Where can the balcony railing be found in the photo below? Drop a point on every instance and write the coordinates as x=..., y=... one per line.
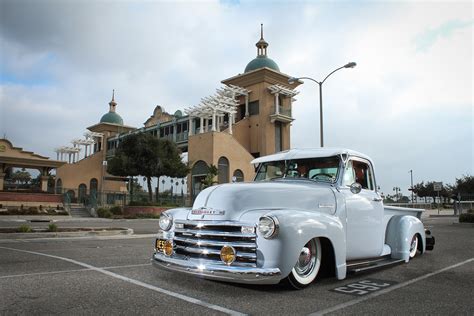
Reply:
x=283, y=115
x=284, y=111
x=181, y=137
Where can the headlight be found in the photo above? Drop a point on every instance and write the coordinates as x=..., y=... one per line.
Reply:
x=268, y=226
x=166, y=221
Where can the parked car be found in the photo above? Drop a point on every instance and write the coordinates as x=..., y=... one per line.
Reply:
x=306, y=211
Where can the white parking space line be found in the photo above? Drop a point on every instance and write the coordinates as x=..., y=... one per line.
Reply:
x=40, y=239
x=127, y=266
x=136, y=282
x=387, y=290
x=40, y=273
x=74, y=270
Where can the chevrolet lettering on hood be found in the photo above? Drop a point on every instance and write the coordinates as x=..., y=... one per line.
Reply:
x=207, y=211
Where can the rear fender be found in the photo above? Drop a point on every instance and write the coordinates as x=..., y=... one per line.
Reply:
x=400, y=231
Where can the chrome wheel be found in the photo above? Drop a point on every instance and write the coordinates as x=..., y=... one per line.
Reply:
x=307, y=266
x=413, y=246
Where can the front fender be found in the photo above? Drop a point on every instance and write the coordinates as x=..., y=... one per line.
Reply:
x=400, y=231
x=297, y=227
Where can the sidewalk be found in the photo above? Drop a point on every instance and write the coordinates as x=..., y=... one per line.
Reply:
x=52, y=218
x=441, y=213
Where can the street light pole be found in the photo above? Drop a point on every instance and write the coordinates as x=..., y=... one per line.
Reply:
x=321, y=130
x=411, y=177
x=320, y=83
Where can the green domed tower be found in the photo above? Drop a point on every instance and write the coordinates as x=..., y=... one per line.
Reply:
x=112, y=117
x=261, y=60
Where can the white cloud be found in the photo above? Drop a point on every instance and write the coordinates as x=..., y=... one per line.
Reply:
x=70, y=55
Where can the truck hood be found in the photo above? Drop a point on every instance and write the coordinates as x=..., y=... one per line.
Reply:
x=231, y=201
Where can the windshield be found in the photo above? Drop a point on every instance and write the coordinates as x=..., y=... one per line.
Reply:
x=317, y=169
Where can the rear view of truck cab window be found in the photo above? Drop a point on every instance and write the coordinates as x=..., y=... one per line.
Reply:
x=360, y=172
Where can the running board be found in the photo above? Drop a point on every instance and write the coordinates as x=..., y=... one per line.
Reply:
x=365, y=266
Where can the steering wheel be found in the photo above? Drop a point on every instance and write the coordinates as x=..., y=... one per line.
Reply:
x=322, y=174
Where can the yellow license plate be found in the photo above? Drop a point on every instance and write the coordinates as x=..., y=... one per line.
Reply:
x=159, y=245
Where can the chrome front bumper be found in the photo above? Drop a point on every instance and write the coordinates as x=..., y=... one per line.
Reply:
x=222, y=272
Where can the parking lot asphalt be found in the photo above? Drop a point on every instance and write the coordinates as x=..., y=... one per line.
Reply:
x=114, y=276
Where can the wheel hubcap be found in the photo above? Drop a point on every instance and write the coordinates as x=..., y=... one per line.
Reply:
x=306, y=260
x=413, y=244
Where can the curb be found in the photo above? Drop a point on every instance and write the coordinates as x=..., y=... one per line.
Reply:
x=125, y=231
x=464, y=224
x=27, y=218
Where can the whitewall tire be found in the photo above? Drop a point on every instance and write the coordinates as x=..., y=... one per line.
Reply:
x=413, y=246
x=307, y=265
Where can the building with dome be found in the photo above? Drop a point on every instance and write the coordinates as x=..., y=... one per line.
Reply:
x=248, y=117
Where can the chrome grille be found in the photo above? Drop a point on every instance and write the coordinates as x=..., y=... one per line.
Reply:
x=204, y=240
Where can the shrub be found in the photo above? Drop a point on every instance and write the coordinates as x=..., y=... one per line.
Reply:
x=147, y=215
x=52, y=227
x=466, y=218
x=116, y=210
x=32, y=210
x=139, y=203
x=24, y=229
x=104, y=212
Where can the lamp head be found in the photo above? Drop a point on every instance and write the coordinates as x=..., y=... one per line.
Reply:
x=292, y=80
x=350, y=65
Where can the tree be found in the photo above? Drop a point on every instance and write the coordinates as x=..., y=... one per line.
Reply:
x=211, y=174
x=144, y=155
x=420, y=190
x=464, y=186
x=21, y=176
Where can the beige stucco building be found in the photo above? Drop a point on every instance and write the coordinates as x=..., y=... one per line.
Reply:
x=16, y=157
x=250, y=116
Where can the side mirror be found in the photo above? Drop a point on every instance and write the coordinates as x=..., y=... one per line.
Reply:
x=356, y=188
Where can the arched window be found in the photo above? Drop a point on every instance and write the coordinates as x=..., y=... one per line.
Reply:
x=238, y=176
x=59, y=186
x=93, y=185
x=81, y=193
x=223, y=170
x=198, y=174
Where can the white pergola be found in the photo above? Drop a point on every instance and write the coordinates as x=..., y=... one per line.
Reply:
x=276, y=90
x=84, y=142
x=61, y=151
x=216, y=107
x=73, y=152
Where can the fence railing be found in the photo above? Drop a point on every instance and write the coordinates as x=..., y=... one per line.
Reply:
x=427, y=206
x=94, y=199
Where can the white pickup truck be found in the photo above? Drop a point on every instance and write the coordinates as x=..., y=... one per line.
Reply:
x=307, y=212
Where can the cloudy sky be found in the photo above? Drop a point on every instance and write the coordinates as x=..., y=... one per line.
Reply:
x=408, y=103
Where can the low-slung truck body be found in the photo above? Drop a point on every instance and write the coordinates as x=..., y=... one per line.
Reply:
x=307, y=211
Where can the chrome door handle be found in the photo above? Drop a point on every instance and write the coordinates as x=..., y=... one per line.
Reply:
x=377, y=199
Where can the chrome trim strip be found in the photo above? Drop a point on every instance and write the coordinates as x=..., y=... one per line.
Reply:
x=205, y=251
x=213, y=223
x=197, y=232
x=221, y=272
x=207, y=242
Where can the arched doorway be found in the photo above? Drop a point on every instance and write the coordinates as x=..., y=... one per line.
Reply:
x=59, y=186
x=71, y=196
x=93, y=187
x=82, y=193
x=223, y=170
x=198, y=173
x=238, y=176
